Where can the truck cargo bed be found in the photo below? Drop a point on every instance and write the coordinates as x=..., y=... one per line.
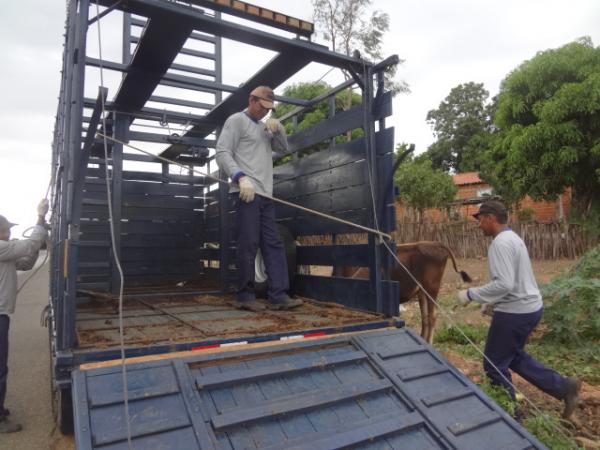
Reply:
x=173, y=319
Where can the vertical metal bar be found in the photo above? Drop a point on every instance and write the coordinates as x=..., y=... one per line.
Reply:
x=223, y=189
x=74, y=150
x=371, y=156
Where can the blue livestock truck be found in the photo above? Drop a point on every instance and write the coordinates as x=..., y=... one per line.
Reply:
x=146, y=238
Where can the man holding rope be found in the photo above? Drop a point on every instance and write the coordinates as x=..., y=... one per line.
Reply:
x=14, y=255
x=513, y=297
x=244, y=152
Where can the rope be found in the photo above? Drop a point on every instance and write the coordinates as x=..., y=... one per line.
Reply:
x=439, y=306
x=113, y=239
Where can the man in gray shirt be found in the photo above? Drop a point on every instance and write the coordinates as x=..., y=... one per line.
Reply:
x=14, y=255
x=244, y=152
x=513, y=296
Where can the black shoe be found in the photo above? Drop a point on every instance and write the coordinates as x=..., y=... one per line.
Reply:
x=6, y=426
x=286, y=303
x=571, y=397
x=250, y=305
x=4, y=412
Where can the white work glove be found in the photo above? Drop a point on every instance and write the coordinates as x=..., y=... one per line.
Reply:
x=246, y=189
x=487, y=309
x=462, y=298
x=274, y=125
x=42, y=208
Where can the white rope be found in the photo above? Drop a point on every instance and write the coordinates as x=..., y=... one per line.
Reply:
x=113, y=239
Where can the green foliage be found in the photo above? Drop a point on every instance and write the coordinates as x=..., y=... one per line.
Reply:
x=548, y=114
x=544, y=428
x=572, y=314
x=582, y=361
x=526, y=214
x=498, y=394
x=316, y=114
x=422, y=186
x=462, y=126
x=452, y=334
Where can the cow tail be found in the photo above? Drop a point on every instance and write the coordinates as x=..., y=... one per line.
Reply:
x=464, y=275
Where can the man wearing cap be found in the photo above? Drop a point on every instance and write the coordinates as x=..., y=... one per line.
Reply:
x=514, y=297
x=14, y=255
x=245, y=153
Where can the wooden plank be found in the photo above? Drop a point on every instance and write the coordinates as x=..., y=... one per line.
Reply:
x=339, y=155
x=271, y=371
x=157, y=188
x=330, y=202
x=349, y=292
x=333, y=255
x=298, y=403
x=267, y=345
x=134, y=213
x=130, y=175
x=354, y=174
x=307, y=225
x=143, y=227
x=339, y=124
x=143, y=201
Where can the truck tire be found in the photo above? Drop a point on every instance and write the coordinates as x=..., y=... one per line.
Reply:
x=64, y=413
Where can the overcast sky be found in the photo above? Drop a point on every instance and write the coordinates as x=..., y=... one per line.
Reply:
x=444, y=43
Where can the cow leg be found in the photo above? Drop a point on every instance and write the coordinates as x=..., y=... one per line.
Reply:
x=432, y=309
x=424, y=307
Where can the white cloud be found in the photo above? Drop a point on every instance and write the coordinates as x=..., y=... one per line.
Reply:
x=444, y=43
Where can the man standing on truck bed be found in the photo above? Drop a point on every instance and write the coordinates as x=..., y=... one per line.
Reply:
x=14, y=255
x=245, y=153
x=514, y=297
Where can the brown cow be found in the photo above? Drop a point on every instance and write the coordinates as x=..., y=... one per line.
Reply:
x=426, y=261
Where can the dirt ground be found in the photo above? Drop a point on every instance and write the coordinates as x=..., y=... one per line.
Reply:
x=587, y=418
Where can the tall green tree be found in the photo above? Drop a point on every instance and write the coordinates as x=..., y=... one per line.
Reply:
x=548, y=115
x=462, y=127
x=352, y=26
x=422, y=186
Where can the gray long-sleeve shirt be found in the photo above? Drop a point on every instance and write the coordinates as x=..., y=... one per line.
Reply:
x=18, y=254
x=245, y=145
x=512, y=287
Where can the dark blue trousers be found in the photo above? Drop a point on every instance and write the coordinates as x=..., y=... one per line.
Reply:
x=4, y=324
x=506, y=339
x=256, y=227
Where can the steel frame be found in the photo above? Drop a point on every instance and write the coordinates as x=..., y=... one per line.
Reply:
x=78, y=119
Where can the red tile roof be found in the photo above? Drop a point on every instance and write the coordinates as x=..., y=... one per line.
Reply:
x=461, y=179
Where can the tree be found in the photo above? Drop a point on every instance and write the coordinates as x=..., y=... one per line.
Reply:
x=462, y=126
x=349, y=27
x=548, y=115
x=422, y=186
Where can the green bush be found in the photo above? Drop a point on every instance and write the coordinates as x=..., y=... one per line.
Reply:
x=452, y=334
x=573, y=302
x=499, y=394
x=544, y=428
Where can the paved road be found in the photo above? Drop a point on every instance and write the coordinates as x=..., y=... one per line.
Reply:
x=28, y=395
